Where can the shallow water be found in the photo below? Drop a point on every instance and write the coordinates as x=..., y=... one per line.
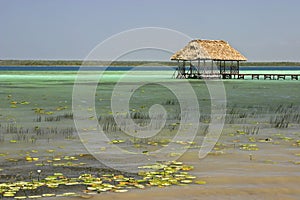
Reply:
x=273, y=173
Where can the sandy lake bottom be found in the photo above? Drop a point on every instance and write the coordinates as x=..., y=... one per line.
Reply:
x=256, y=157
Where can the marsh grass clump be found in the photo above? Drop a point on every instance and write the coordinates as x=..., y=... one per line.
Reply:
x=205, y=118
x=139, y=115
x=13, y=132
x=38, y=118
x=251, y=130
x=248, y=130
x=23, y=137
x=68, y=115
x=1, y=137
x=236, y=115
x=280, y=121
x=285, y=115
x=171, y=102
x=108, y=123
x=11, y=128
x=243, y=114
x=53, y=118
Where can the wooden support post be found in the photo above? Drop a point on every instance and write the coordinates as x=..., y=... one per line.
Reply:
x=267, y=76
x=198, y=67
x=255, y=76
x=177, y=69
x=191, y=68
x=280, y=76
x=294, y=77
x=241, y=76
x=183, y=69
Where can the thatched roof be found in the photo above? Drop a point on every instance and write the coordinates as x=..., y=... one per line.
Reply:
x=208, y=49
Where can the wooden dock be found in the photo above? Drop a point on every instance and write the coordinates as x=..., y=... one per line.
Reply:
x=263, y=76
x=190, y=75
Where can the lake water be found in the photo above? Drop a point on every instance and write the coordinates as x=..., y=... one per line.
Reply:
x=252, y=105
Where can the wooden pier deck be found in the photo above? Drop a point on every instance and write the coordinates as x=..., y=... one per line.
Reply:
x=263, y=76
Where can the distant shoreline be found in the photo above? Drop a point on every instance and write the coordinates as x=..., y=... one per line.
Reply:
x=121, y=63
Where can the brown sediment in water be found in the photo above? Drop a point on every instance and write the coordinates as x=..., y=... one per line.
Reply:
x=207, y=193
x=232, y=176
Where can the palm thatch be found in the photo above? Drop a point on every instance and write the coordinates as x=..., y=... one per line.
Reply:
x=208, y=50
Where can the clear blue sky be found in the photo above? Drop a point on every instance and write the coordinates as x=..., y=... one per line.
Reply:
x=263, y=30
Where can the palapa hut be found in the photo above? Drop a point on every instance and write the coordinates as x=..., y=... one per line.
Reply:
x=208, y=59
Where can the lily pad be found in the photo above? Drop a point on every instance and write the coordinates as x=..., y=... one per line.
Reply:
x=120, y=191
x=48, y=195
x=200, y=182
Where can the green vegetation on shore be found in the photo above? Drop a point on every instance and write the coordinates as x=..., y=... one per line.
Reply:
x=270, y=63
x=81, y=62
x=121, y=63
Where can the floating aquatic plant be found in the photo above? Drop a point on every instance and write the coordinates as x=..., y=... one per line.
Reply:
x=249, y=147
x=31, y=159
x=269, y=162
x=296, y=162
x=160, y=174
x=297, y=143
x=116, y=141
x=216, y=153
x=286, y=139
